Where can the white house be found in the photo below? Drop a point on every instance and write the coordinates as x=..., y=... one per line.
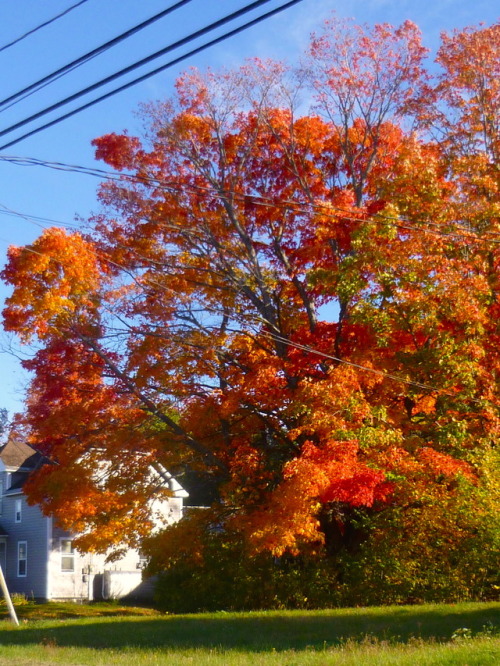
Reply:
x=38, y=558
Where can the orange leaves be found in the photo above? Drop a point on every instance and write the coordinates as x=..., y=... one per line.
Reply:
x=197, y=131
x=425, y=404
x=438, y=463
x=470, y=84
x=330, y=473
x=366, y=61
x=101, y=495
x=182, y=542
x=249, y=481
x=297, y=305
x=334, y=404
x=340, y=476
x=56, y=280
x=364, y=77
x=288, y=521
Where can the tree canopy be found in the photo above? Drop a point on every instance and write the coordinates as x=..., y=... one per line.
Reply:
x=292, y=292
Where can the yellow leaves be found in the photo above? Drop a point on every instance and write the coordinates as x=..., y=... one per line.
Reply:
x=425, y=404
x=54, y=279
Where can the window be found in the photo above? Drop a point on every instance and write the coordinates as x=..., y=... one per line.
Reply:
x=3, y=550
x=1, y=496
x=18, y=507
x=143, y=561
x=67, y=555
x=22, y=558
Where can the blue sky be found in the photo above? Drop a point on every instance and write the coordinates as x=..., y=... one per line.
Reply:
x=60, y=196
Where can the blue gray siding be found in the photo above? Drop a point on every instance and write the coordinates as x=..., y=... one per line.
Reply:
x=33, y=529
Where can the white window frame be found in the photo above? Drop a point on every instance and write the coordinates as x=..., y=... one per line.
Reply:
x=65, y=555
x=18, y=510
x=143, y=561
x=22, y=559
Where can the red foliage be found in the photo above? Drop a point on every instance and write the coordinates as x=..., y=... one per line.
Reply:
x=304, y=309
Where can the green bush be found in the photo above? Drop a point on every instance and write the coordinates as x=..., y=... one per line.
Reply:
x=445, y=547
x=227, y=579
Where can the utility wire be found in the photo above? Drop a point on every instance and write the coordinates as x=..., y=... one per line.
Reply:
x=42, y=25
x=38, y=221
x=382, y=373
x=130, y=68
x=171, y=47
x=279, y=338
x=269, y=334
x=41, y=83
x=251, y=318
x=326, y=209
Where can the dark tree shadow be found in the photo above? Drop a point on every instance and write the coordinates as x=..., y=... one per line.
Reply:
x=256, y=632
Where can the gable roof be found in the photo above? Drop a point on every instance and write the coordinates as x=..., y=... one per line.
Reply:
x=16, y=454
x=21, y=458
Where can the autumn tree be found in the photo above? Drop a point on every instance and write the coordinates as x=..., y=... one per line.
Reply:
x=4, y=422
x=301, y=308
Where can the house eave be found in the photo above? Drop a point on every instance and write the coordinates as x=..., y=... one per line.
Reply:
x=13, y=491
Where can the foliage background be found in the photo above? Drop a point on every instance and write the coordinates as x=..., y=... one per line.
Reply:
x=186, y=329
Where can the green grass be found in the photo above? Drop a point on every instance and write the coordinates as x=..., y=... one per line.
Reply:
x=102, y=635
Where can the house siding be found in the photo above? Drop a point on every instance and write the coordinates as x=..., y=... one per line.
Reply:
x=33, y=530
x=65, y=584
x=85, y=581
x=91, y=577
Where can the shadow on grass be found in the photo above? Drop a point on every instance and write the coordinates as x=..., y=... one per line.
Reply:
x=259, y=631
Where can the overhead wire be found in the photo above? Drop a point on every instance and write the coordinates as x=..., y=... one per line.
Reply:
x=382, y=373
x=305, y=348
x=148, y=75
x=42, y=25
x=310, y=350
x=136, y=65
x=326, y=209
x=259, y=201
x=58, y=73
x=34, y=219
x=262, y=331
x=281, y=339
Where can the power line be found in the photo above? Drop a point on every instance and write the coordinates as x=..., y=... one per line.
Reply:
x=281, y=339
x=382, y=373
x=269, y=334
x=176, y=61
x=42, y=25
x=34, y=219
x=137, y=64
x=44, y=81
x=259, y=200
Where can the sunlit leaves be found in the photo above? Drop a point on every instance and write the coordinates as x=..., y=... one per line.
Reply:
x=303, y=306
x=57, y=278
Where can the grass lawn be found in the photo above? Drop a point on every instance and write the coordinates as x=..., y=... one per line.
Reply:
x=107, y=634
